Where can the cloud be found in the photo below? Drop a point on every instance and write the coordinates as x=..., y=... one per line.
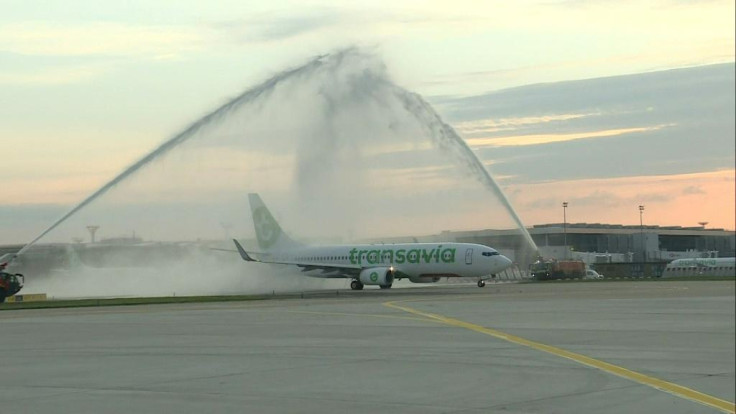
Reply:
x=597, y=198
x=655, y=197
x=668, y=122
x=53, y=76
x=620, y=96
x=346, y=23
x=523, y=140
x=542, y=203
x=603, y=199
x=505, y=124
x=271, y=28
x=98, y=38
x=693, y=189
x=44, y=53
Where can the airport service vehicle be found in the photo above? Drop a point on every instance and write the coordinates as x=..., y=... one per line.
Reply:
x=592, y=274
x=371, y=264
x=546, y=269
x=10, y=284
x=722, y=266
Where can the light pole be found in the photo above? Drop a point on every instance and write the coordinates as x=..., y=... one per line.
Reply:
x=564, y=224
x=641, y=230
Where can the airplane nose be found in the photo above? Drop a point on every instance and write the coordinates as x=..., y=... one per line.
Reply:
x=505, y=262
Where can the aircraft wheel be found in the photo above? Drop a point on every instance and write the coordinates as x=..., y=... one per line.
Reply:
x=481, y=283
x=356, y=285
x=385, y=286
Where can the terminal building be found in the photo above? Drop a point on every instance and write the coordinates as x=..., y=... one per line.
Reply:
x=603, y=243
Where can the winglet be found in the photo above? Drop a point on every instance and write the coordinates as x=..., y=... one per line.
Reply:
x=243, y=253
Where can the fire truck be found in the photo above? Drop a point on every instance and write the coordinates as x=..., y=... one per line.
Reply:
x=547, y=269
x=10, y=283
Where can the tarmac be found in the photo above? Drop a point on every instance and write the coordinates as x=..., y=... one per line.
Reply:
x=603, y=347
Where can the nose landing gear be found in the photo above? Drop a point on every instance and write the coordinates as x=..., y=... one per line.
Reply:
x=356, y=285
x=481, y=283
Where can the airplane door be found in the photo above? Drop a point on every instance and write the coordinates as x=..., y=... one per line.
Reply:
x=469, y=256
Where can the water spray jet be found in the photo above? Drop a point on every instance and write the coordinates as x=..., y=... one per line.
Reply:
x=340, y=148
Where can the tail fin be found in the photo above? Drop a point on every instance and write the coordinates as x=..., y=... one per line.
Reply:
x=268, y=232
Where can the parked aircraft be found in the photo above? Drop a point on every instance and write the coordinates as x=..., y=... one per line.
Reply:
x=722, y=266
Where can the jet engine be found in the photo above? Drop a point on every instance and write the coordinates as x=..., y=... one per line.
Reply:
x=383, y=276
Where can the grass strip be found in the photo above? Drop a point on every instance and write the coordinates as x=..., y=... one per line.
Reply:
x=81, y=303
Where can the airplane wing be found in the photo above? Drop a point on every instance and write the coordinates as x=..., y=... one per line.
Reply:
x=329, y=270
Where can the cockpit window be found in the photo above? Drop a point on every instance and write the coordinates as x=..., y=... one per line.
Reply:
x=490, y=253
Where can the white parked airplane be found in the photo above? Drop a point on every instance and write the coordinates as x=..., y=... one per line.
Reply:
x=371, y=264
x=722, y=266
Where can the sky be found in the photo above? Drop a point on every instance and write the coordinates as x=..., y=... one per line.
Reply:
x=605, y=105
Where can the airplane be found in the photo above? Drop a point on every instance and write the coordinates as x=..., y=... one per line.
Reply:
x=722, y=266
x=371, y=264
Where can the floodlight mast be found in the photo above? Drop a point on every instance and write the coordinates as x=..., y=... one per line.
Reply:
x=564, y=224
x=641, y=230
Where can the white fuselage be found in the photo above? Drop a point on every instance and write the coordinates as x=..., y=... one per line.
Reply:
x=407, y=260
x=724, y=266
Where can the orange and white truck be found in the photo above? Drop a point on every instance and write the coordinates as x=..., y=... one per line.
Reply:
x=548, y=269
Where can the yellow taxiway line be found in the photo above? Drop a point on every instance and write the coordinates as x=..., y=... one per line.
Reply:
x=674, y=389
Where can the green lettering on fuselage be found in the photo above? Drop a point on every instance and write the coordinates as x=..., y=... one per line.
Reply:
x=427, y=255
x=388, y=255
x=374, y=256
x=413, y=256
x=448, y=256
x=400, y=256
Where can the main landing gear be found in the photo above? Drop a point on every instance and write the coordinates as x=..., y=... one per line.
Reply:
x=357, y=285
